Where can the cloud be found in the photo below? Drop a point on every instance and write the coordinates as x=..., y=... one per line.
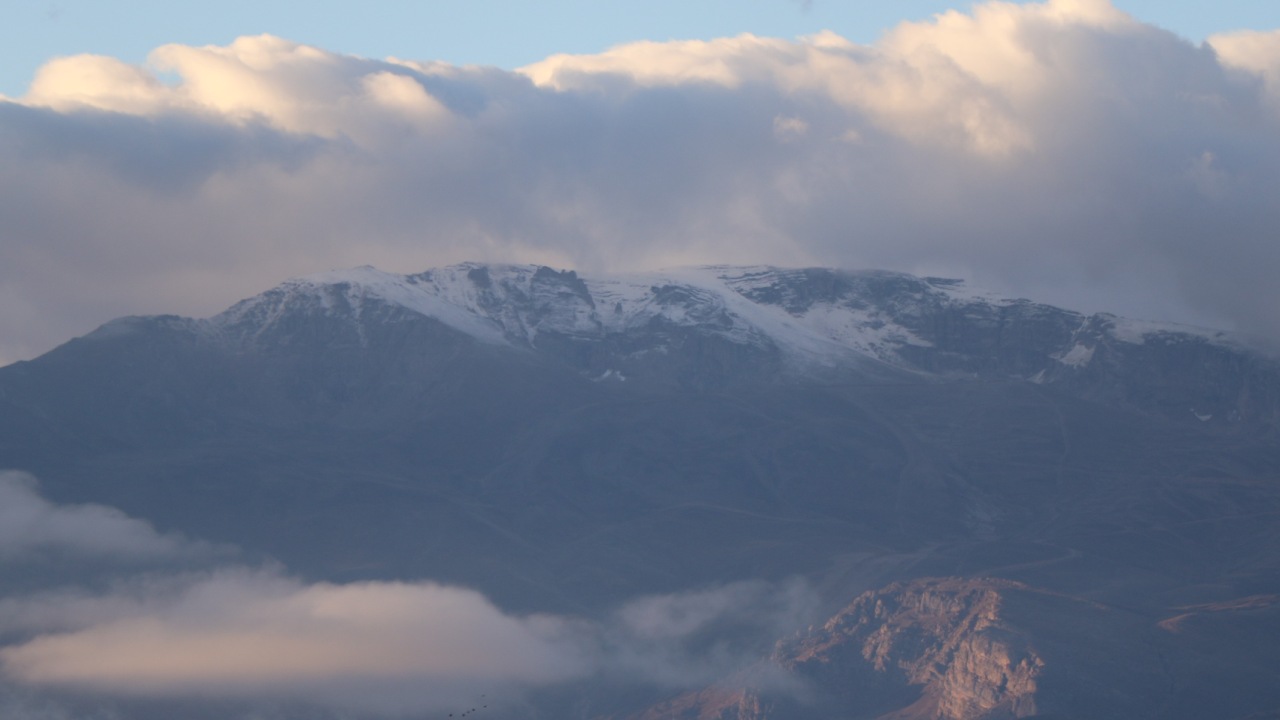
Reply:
x=1061, y=150
x=387, y=648
x=32, y=527
x=253, y=638
x=382, y=647
x=698, y=637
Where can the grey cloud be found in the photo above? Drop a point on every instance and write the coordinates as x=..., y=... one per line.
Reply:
x=1060, y=150
x=386, y=648
x=152, y=638
x=698, y=637
x=168, y=155
x=32, y=527
x=149, y=638
x=258, y=638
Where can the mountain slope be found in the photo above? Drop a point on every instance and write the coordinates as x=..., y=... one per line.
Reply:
x=563, y=443
x=989, y=649
x=796, y=321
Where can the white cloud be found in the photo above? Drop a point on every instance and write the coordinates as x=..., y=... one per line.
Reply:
x=386, y=648
x=379, y=647
x=250, y=638
x=1056, y=150
x=95, y=81
x=1256, y=55
x=286, y=85
x=31, y=527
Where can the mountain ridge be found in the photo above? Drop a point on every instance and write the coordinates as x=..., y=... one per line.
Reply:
x=484, y=290
x=561, y=455
x=814, y=321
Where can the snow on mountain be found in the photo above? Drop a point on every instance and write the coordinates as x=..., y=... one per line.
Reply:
x=813, y=316
x=1136, y=332
x=1078, y=356
x=349, y=292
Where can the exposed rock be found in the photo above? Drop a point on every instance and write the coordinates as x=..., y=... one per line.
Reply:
x=935, y=649
x=946, y=637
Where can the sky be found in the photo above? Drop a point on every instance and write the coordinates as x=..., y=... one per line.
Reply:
x=504, y=33
x=157, y=158
x=1117, y=157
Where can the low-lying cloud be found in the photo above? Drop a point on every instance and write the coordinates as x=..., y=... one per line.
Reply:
x=254, y=638
x=386, y=647
x=31, y=527
x=698, y=637
x=1061, y=150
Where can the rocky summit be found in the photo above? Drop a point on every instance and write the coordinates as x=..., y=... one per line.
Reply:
x=1002, y=508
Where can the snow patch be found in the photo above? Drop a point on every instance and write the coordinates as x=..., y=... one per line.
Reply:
x=961, y=291
x=1136, y=332
x=357, y=287
x=869, y=332
x=1077, y=357
x=518, y=304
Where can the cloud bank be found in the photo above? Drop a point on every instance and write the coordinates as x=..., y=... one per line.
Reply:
x=387, y=649
x=1061, y=150
x=376, y=647
x=239, y=641
x=32, y=528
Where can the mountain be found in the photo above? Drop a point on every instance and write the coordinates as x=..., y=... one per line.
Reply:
x=564, y=443
x=794, y=322
x=970, y=648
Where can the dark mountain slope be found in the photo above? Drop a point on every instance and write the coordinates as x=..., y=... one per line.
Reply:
x=565, y=443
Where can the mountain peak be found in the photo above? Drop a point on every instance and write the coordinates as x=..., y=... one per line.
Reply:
x=813, y=316
x=798, y=312
x=700, y=321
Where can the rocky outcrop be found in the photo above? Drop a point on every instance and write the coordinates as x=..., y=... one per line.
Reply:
x=1193, y=375
x=945, y=637
x=936, y=649
x=994, y=649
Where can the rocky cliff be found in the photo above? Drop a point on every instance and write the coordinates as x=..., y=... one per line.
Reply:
x=987, y=649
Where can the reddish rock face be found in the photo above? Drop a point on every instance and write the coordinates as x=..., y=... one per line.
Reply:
x=990, y=649
x=936, y=648
x=946, y=637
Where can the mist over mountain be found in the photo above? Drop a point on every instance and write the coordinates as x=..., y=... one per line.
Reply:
x=839, y=493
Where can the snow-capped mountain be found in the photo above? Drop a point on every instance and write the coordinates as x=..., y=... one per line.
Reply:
x=564, y=443
x=817, y=316
x=521, y=305
x=704, y=325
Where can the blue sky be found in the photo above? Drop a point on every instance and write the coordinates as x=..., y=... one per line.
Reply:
x=493, y=32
